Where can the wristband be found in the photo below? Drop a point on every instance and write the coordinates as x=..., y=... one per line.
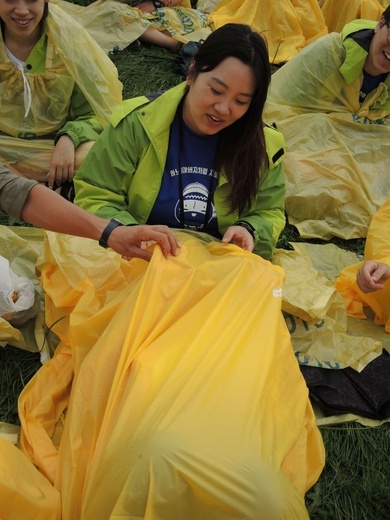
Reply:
x=107, y=232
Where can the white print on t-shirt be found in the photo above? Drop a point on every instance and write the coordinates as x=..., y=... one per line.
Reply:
x=194, y=169
x=195, y=197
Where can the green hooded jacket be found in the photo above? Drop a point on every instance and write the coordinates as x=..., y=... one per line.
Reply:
x=122, y=174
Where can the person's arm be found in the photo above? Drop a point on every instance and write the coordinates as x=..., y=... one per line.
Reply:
x=45, y=208
x=372, y=275
x=103, y=181
x=266, y=218
x=81, y=126
x=310, y=81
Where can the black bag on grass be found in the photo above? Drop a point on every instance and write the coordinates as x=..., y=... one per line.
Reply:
x=365, y=393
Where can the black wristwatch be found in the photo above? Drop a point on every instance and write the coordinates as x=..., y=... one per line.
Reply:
x=157, y=4
x=103, y=241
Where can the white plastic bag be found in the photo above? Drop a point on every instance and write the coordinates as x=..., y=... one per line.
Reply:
x=16, y=292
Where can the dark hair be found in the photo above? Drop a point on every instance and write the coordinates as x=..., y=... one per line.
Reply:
x=45, y=11
x=243, y=154
x=386, y=15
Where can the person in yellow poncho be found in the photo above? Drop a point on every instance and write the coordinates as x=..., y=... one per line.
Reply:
x=58, y=89
x=115, y=24
x=367, y=284
x=332, y=103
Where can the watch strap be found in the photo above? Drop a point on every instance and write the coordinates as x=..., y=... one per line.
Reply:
x=103, y=241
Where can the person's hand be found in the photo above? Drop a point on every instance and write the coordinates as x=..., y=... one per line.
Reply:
x=372, y=275
x=240, y=237
x=128, y=241
x=147, y=6
x=62, y=162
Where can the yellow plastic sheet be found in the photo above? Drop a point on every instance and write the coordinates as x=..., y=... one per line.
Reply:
x=186, y=399
x=337, y=14
x=287, y=25
x=315, y=313
x=338, y=151
x=25, y=493
x=377, y=248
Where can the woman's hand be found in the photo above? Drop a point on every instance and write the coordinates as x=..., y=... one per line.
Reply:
x=240, y=237
x=62, y=162
x=128, y=241
x=372, y=275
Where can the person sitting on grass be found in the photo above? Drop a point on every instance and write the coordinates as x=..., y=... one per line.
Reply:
x=199, y=156
x=58, y=89
x=167, y=23
x=332, y=103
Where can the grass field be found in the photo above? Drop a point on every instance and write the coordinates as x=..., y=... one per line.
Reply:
x=355, y=484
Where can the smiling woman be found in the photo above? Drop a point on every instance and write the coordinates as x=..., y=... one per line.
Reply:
x=378, y=59
x=199, y=156
x=219, y=97
x=332, y=103
x=57, y=91
x=22, y=24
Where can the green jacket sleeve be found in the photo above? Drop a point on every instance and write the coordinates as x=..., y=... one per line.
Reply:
x=266, y=216
x=82, y=125
x=103, y=180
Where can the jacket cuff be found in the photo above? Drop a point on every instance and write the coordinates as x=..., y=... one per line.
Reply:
x=75, y=138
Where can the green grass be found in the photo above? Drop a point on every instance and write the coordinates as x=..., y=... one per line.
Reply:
x=16, y=369
x=355, y=484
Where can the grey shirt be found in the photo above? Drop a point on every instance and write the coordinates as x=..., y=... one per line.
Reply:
x=14, y=191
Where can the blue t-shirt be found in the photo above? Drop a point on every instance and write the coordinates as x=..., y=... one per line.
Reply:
x=369, y=84
x=194, y=155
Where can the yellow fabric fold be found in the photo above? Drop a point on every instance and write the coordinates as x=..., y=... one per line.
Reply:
x=377, y=248
x=287, y=26
x=186, y=396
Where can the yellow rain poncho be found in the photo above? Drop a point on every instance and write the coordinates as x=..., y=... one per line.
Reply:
x=38, y=109
x=183, y=396
x=338, y=149
x=337, y=14
x=114, y=23
x=377, y=248
x=287, y=25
